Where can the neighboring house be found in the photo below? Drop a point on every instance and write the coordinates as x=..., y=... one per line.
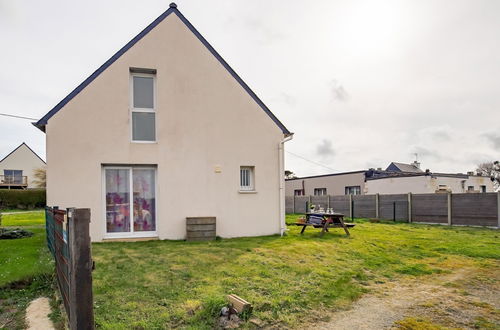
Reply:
x=347, y=183
x=165, y=130
x=17, y=168
x=398, y=178
x=427, y=182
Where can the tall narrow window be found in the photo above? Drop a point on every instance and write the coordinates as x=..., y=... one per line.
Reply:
x=247, y=178
x=143, y=107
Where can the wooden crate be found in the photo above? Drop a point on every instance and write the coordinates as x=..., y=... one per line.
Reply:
x=200, y=228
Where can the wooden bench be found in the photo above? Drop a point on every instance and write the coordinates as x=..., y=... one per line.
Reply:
x=325, y=221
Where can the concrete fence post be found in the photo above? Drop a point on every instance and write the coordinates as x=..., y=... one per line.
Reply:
x=409, y=208
x=377, y=205
x=293, y=203
x=328, y=201
x=498, y=209
x=350, y=206
x=449, y=208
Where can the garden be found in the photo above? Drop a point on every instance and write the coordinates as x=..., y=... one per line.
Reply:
x=292, y=281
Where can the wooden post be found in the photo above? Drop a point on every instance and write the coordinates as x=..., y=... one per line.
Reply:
x=81, y=299
x=449, y=208
x=377, y=203
x=409, y=208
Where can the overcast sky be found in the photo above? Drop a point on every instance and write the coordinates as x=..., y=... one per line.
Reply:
x=360, y=83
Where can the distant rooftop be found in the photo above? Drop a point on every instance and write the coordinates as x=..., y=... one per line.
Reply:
x=402, y=167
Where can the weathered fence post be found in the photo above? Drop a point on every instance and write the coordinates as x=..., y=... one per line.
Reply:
x=449, y=208
x=377, y=203
x=409, y=208
x=81, y=300
x=328, y=201
x=293, y=203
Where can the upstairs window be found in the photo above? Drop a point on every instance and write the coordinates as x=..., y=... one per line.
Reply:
x=319, y=191
x=143, y=107
x=247, y=178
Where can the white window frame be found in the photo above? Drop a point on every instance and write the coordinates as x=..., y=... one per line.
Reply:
x=318, y=190
x=300, y=192
x=351, y=188
x=131, y=233
x=143, y=110
x=251, y=187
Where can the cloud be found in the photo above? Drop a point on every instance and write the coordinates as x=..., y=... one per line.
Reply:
x=494, y=139
x=286, y=98
x=339, y=92
x=324, y=149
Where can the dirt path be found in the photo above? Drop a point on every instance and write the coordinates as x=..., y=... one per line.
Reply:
x=37, y=315
x=465, y=299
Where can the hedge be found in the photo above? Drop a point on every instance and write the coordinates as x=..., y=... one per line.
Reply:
x=22, y=199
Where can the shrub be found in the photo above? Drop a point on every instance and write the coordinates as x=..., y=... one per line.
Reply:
x=22, y=199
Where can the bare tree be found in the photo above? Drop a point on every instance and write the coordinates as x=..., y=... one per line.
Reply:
x=485, y=169
x=495, y=175
x=289, y=175
x=40, y=177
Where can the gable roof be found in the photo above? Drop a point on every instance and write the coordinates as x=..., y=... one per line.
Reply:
x=172, y=9
x=24, y=143
x=402, y=167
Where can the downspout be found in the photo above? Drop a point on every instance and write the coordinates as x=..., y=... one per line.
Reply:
x=281, y=156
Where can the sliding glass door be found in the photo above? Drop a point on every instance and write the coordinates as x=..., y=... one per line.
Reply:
x=130, y=198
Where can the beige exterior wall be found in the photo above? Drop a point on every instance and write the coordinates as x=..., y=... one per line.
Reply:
x=425, y=184
x=204, y=120
x=22, y=159
x=334, y=184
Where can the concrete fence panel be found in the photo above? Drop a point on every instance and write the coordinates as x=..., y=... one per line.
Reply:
x=289, y=204
x=300, y=204
x=390, y=204
x=364, y=206
x=320, y=201
x=474, y=209
x=340, y=204
x=430, y=208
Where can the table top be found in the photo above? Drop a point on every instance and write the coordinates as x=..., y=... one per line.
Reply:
x=324, y=213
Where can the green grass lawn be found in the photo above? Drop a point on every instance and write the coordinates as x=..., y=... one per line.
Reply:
x=26, y=269
x=288, y=280
x=32, y=218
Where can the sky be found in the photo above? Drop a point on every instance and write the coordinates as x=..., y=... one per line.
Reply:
x=361, y=83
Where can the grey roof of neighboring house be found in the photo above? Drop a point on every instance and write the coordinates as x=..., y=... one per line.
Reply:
x=172, y=10
x=405, y=167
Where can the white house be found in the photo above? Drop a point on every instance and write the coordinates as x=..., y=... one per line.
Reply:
x=165, y=130
x=18, y=167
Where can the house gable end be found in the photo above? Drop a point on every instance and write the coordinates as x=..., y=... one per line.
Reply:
x=173, y=9
x=13, y=152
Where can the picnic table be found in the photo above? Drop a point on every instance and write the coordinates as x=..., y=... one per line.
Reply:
x=325, y=220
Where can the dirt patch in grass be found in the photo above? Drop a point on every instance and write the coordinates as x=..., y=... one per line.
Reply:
x=468, y=297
